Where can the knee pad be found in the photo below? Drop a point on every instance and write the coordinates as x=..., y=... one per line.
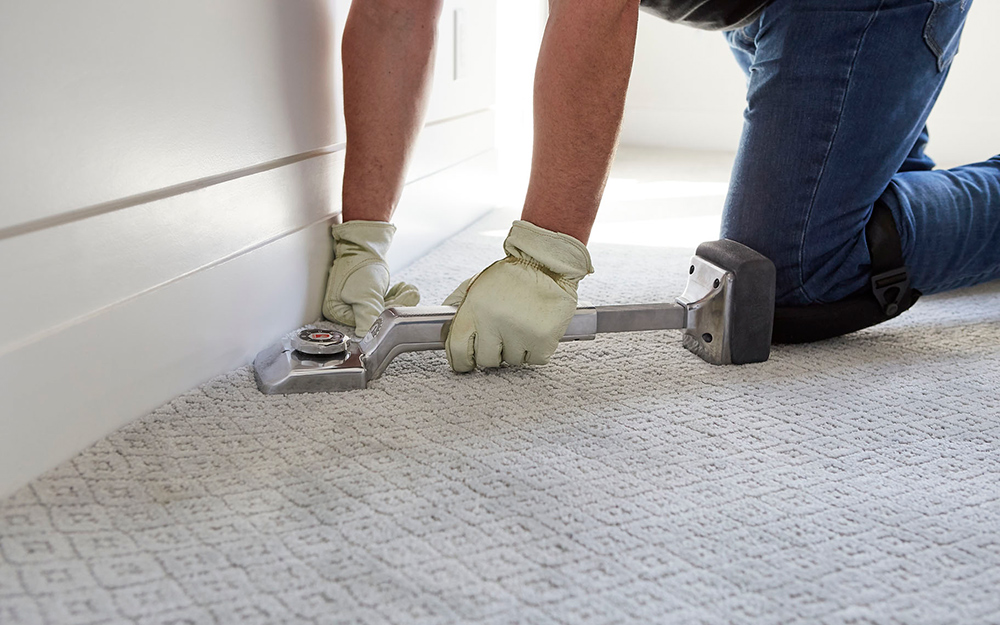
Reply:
x=888, y=294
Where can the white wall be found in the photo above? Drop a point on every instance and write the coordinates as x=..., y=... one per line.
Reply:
x=167, y=175
x=520, y=24
x=965, y=124
x=686, y=89
x=688, y=92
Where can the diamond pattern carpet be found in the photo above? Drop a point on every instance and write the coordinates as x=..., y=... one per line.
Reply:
x=853, y=481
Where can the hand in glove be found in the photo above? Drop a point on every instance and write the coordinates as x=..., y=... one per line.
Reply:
x=358, y=289
x=517, y=309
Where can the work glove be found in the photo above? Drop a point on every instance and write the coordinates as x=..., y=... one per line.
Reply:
x=358, y=288
x=517, y=309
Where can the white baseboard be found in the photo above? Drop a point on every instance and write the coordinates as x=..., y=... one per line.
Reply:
x=149, y=333
x=67, y=390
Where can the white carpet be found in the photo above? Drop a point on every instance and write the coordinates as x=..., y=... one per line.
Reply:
x=854, y=481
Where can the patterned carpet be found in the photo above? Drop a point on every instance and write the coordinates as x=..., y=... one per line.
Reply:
x=854, y=481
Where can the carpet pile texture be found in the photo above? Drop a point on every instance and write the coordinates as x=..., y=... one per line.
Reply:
x=852, y=481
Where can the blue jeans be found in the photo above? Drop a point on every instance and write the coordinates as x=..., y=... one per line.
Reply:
x=838, y=97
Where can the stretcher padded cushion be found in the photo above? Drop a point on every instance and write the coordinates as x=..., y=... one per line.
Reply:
x=751, y=301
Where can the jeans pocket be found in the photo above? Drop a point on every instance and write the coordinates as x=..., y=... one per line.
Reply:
x=944, y=29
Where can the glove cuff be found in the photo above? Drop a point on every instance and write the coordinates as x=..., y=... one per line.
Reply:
x=557, y=252
x=373, y=237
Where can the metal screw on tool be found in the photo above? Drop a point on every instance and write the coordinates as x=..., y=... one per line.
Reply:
x=716, y=284
x=706, y=337
x=691, y=270
x=320, y=342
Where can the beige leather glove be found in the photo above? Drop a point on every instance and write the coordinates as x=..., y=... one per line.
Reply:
x=358, y=289
x=517, y=309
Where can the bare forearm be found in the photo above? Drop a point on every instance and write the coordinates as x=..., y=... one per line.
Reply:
x=580, y=82
x=388, y=60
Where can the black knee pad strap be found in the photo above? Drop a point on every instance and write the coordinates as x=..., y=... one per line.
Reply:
x=888, y=295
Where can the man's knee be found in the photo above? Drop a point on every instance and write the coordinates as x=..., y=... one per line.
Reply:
x=885, y=291
x=783, y=247
x=816, y=260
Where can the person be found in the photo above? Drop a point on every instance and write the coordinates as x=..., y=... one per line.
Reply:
x=831, y=180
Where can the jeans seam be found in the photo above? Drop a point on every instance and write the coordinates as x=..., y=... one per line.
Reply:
x=931, y=41
x=829, y=150
x=929, y=35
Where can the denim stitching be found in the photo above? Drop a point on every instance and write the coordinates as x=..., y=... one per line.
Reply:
x=826, y=158
x=929, y=38
x=929, y=29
